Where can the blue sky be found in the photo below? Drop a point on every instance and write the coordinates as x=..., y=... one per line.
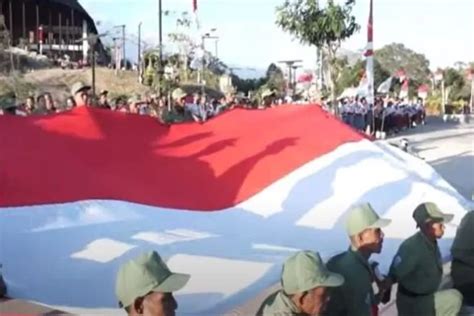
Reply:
x=443, y=30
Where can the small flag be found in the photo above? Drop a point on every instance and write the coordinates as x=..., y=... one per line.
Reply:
x=404, y=90
x=195, y=12
x=470, y=73
x=384, y=87
x=369, y=54
x=423, y=91
x=401, y=75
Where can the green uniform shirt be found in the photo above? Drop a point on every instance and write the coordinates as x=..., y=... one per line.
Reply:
x=417, y=265
x=356, y=295
x=462, y=268
x=418, y=269
x=278, y=304
x=172, y=117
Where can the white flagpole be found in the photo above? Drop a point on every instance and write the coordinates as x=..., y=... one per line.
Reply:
x=370, y=57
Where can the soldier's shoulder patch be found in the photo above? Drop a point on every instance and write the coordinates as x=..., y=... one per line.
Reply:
x=368, y=299
x=397, y=260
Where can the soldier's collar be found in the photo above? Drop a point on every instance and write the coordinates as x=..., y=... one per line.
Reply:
x=428, y=241
x=359, y=256
x=287, y=301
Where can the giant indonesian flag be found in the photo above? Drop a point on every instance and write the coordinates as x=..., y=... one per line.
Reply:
x=226, y=201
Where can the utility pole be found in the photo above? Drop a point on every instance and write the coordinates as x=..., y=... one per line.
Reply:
x=123, y=44
x=160, y=42
x=160, y=28
x=139, y=58
x=116, y=60
x=291, y=66
x=294, y=67
x=93, y=42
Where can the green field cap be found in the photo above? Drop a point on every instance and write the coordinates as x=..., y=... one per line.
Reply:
x=362, y=217
x=430, y=212
x=305, y=271
x=79, y=86
x=145, y=274
x=178, y=94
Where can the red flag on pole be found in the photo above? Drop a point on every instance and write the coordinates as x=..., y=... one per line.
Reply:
x=370, y=33
x=404, y=90
x=369, y=54
x=195, y=5
x=401, y=75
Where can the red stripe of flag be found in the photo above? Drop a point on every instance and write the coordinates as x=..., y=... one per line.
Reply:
x=84, y=154
x=370, y=29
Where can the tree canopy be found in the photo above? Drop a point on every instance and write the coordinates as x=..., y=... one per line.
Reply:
x=396, y=56
x=324, y=27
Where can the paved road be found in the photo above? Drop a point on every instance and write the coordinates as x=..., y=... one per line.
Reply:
x=449, y=148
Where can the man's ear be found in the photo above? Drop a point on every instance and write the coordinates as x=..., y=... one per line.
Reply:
x=298, y=298
x=138, y=305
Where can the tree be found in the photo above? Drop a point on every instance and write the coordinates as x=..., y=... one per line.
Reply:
x=458, y=86
x=247, y=85
x=351, y=76
x=275, y=79
x=395, y=56
x=184, y=41
x=326, y=28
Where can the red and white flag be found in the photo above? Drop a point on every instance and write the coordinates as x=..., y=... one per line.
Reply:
x=470, y=73
x=401, y=75
x=423, y=91
x=404, y=89
x=195, y=12
x=86, y=190
x=369, y=54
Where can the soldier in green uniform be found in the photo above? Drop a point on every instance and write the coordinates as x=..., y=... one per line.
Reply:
x=462, y=266
x=305, y=281
x=8, y=103
x=418, y=268
x=145, y=286
x=356, y=296
x=177, y=114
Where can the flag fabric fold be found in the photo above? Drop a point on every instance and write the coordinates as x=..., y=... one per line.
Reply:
x=404, y=89
x=384, y=87
x=84, y=191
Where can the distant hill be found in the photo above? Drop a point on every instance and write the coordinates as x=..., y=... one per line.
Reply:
x=352, y=57
x=248, y=72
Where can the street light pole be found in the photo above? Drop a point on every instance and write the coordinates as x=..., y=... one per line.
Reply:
x=160, y=28
x=93, y=41
x=139, y=58
x=160, y=42
x=217, y=44
x=123, y=44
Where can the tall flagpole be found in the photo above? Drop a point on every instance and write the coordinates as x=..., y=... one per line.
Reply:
x=369, y=68
x=369, y=54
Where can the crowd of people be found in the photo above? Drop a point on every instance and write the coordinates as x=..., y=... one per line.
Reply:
x=343, y=285
x=178, y=106
x=388, y=115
